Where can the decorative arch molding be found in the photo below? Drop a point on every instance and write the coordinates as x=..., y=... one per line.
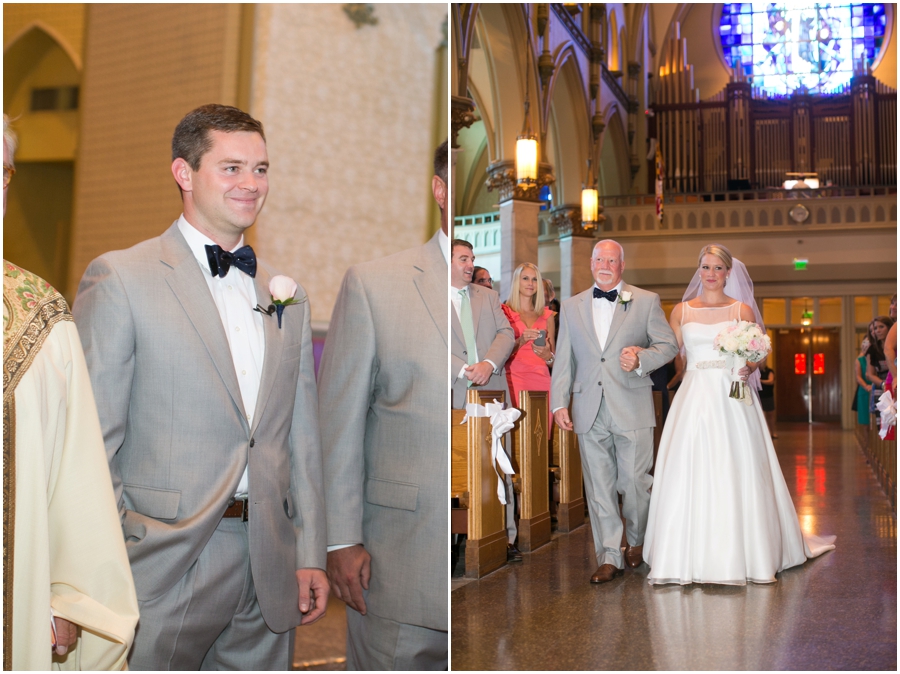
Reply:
x=615, y=134
x=568, y=124
x=639, y=15
x=53, y=34
x=477, y=96
x=508, y=40
x=464, y=32
x=564, y=52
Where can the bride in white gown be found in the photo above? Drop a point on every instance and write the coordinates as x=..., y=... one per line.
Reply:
x=720, y=510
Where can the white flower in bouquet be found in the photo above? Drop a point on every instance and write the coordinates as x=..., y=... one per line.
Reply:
x=743, y=341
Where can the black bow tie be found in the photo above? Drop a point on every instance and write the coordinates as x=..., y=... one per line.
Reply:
x=612, y=295
x=220, y=261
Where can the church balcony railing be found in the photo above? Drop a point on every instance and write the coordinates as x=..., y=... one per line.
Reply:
x=827, y=208
x=630, y=215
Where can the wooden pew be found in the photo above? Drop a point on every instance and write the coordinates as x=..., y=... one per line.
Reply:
x=474, y=482
x=532, y=470
x=459, y=473
x=570, y=512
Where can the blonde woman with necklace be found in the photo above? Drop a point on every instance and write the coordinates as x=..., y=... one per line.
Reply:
x=528, y=368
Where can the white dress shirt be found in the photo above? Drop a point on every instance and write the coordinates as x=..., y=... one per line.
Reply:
x=603, y=314
x=235, y=297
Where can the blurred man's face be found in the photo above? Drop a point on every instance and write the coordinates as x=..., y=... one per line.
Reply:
x=462, y=264
x=483, y=278
x=439, y=190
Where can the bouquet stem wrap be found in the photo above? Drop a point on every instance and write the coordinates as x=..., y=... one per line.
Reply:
x=742, y=341
x=502, y=422
x=738, y=386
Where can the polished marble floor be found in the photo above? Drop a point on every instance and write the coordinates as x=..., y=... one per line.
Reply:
x=838, y=611
x=322, y=646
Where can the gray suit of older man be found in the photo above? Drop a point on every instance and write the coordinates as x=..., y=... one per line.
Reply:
x=178, y=440
x=494, y=339
x=612, y=410
x=383, y=404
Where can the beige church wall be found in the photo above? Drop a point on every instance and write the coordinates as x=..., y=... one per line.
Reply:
x=145, y=67
x=349, y=117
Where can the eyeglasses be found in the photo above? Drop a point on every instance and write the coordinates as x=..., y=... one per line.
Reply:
x=8, y=173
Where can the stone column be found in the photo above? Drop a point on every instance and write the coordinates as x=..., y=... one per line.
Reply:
x=519, y=208
x=576, y=244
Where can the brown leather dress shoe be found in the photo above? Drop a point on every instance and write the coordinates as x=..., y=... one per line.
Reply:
x=606, y=573
x=634, y=556
x=513, y=554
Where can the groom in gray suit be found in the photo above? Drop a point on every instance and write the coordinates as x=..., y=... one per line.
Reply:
x=611, y=337
x=383, y=409
x=208, y=411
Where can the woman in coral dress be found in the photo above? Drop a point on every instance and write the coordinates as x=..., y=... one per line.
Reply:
x=528, y=368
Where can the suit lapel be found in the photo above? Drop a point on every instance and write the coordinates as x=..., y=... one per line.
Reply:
x=190, y=288
x=618, y=317
x=430, y=277
x=274, y=338
x=586, y=310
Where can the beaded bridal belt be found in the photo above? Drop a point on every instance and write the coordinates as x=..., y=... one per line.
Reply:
x=710, y=364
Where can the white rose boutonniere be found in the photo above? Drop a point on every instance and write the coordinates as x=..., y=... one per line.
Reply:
x=282, y=289
x=625, y=298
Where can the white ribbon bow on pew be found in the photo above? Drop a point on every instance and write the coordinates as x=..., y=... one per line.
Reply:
x=888, y=409
x=502, y=422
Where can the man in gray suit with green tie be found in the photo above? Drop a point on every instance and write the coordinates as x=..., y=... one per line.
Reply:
x=208, y=412
x=383, y=405
x=482, y=341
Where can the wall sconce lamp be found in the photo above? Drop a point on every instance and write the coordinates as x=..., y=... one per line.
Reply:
x=590, y=201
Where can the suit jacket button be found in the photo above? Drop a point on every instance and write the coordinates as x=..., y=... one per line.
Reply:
x=252, y=442
x=603, y=360
x=599, y=383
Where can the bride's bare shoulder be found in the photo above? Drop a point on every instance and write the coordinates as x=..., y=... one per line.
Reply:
x=747, y=313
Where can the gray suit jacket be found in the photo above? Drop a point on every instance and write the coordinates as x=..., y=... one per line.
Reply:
x=583, y=372
x=494, y=339
x=175, y=429
x=383, y=411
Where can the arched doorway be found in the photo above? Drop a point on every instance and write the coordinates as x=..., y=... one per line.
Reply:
x=41, y=87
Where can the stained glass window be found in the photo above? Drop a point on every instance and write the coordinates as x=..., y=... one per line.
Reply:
x=786, y=46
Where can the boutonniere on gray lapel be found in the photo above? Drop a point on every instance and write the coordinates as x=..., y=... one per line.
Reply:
x=625, y=299
x=282, y=289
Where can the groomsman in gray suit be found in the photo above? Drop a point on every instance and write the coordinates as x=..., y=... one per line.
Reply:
x=383, y=411
x=611, y=337
x=208, y=412
x=482, y=342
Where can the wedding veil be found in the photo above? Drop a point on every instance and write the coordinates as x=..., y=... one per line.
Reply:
x=739, y=286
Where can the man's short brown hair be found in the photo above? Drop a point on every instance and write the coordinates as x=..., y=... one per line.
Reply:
x=461, y=242
x=440, y=162
x=191, y=140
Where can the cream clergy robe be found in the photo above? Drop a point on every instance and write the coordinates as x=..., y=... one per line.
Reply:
x=63, y=543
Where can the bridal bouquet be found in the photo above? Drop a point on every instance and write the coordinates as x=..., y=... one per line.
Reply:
x=743, y=341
